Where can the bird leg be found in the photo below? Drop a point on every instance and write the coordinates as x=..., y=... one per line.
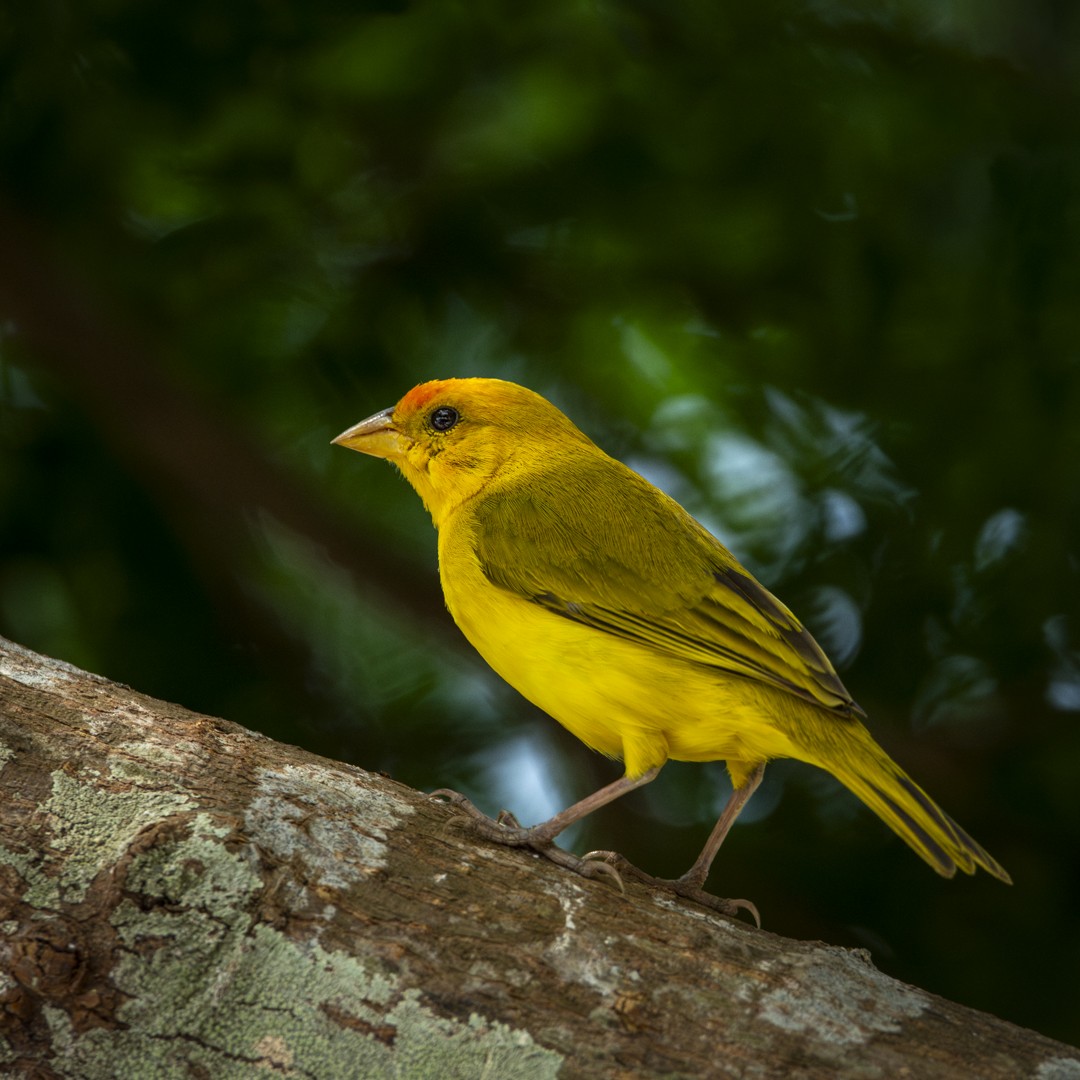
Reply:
x=540, y=837
x=691, y=884
x=697, y=873
x=505, y=830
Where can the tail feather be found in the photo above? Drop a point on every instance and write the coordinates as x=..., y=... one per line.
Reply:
x=915, y=817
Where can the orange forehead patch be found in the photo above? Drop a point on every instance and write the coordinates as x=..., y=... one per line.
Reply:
x=420, y=395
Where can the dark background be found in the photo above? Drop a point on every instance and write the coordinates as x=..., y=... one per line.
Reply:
x=811, y=267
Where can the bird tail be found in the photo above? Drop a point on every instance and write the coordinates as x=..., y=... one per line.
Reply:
x=911, y=813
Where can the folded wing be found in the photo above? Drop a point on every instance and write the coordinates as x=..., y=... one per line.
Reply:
x=622, y=557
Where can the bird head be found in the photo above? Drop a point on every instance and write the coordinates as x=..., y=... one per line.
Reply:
x=451, y=438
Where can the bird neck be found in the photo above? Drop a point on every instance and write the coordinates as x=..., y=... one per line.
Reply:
x=445, y=485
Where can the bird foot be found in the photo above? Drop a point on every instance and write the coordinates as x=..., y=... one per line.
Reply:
x=687, y=887
x=504, y=829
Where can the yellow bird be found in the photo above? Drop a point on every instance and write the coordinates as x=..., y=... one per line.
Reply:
x=606, y=604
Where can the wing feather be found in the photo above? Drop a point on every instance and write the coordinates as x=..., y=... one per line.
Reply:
x=595, y=543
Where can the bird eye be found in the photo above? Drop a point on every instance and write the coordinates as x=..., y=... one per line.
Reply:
x=444, y=418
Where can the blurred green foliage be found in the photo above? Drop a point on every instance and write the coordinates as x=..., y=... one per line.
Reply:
x=812, y=267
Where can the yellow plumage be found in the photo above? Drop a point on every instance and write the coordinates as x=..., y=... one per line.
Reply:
x=602, y=601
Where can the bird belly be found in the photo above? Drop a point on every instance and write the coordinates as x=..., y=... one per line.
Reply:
x=618, y=697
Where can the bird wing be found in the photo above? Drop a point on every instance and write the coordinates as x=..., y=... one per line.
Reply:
x=596, y=543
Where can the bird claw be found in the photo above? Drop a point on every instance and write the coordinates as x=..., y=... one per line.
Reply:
x=467, y=813
x=716, y=903
x=503, y=829
x=455, y=798
x=688, y=890
x=587, y=867
x=612, y=859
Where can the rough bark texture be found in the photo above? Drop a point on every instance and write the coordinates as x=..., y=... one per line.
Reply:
x=182, y=898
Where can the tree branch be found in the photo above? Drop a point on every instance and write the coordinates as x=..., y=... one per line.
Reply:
x=181, y=897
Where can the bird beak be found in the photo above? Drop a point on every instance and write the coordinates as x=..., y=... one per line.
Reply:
x=376, y=436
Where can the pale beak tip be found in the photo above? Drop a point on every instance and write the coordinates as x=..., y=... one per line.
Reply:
x=376, y=436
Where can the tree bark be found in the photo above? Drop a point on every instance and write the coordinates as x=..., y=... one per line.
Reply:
x=180, y=897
